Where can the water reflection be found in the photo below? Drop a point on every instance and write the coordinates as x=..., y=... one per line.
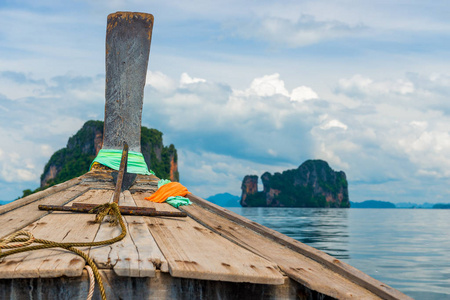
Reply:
x=408, y=249
x=321, y=228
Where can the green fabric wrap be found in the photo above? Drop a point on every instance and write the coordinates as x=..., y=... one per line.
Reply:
x=178, y=201
x=163, y=182
x=112, y=157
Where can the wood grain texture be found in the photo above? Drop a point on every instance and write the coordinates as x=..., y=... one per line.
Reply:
x=137, y=255
x=127, y=49
x=304, y=270
x=327, y=263
x=17, y=218
x=36, y=196
x=162, y=286
x=129, y=262
x=58, y=227
x=194, y=251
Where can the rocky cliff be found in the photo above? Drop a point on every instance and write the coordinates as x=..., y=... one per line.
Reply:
x=81, y=149
x=312, y=184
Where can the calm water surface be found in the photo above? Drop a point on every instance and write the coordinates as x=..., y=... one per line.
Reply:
x=408, y=249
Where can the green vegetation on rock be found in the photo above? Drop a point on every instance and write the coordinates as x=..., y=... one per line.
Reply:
x=312, y=184
x=74, y=160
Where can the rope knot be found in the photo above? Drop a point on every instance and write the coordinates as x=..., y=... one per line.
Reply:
x=107, y=209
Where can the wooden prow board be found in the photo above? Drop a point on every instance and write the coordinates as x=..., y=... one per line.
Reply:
x=128, y=39
x=194, y=251
x=180, y=246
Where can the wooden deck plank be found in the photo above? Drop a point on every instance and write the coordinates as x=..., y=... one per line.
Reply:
x=194, y=251
x=150, y=256
x=58, y=227
x=301, y=268
x=304, y=270
x=137, y=255
x=16, y=219
x=145, y=183
x=36, y=196
x=128, y=263
x=9, y=264
x=101, y=254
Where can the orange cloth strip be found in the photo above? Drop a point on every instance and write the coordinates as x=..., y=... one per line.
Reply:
x=170, y=189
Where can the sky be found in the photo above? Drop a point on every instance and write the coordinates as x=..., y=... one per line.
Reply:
x=243, y=87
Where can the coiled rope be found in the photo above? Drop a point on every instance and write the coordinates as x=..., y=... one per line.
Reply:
x=20, y=244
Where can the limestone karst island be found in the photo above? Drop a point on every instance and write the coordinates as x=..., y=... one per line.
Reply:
x=312, y=184
x=73, y=160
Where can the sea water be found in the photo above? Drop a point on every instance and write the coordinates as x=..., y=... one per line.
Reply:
x=408, y=249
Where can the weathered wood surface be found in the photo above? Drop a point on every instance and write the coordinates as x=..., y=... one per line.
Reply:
x=15, y=219
x=162, y=286
x=36, y=196
x=271, y=244
x=145, y=183
x=128, y=38
x=137, y=254
x=58, y=227
x=98, y=178
x=304, y=270
x=194, y=251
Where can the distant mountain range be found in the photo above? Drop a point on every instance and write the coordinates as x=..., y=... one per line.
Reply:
x=229, y=200
x=225, y=200
x=414, y=205
x=372, y=204
x=386, y=204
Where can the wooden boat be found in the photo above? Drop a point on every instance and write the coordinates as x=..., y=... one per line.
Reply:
x=212, y=253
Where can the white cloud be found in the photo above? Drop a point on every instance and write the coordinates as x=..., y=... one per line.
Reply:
x=17, y=159
x=34, y=126
x=272, y=85
x=186, y=80
x=267, y=86
x=333, y=124
x=14, y=85
x=305, y=30
x=428, y=149
x=63, y=126
x=46, y=150
x=303, y=93
x=326, y=153
x=360, y=86
x=211, y=173
x=232, y=121
x=160, y=81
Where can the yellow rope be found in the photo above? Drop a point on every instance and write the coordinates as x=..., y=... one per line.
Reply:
x=103, y=210
x=12, y=240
